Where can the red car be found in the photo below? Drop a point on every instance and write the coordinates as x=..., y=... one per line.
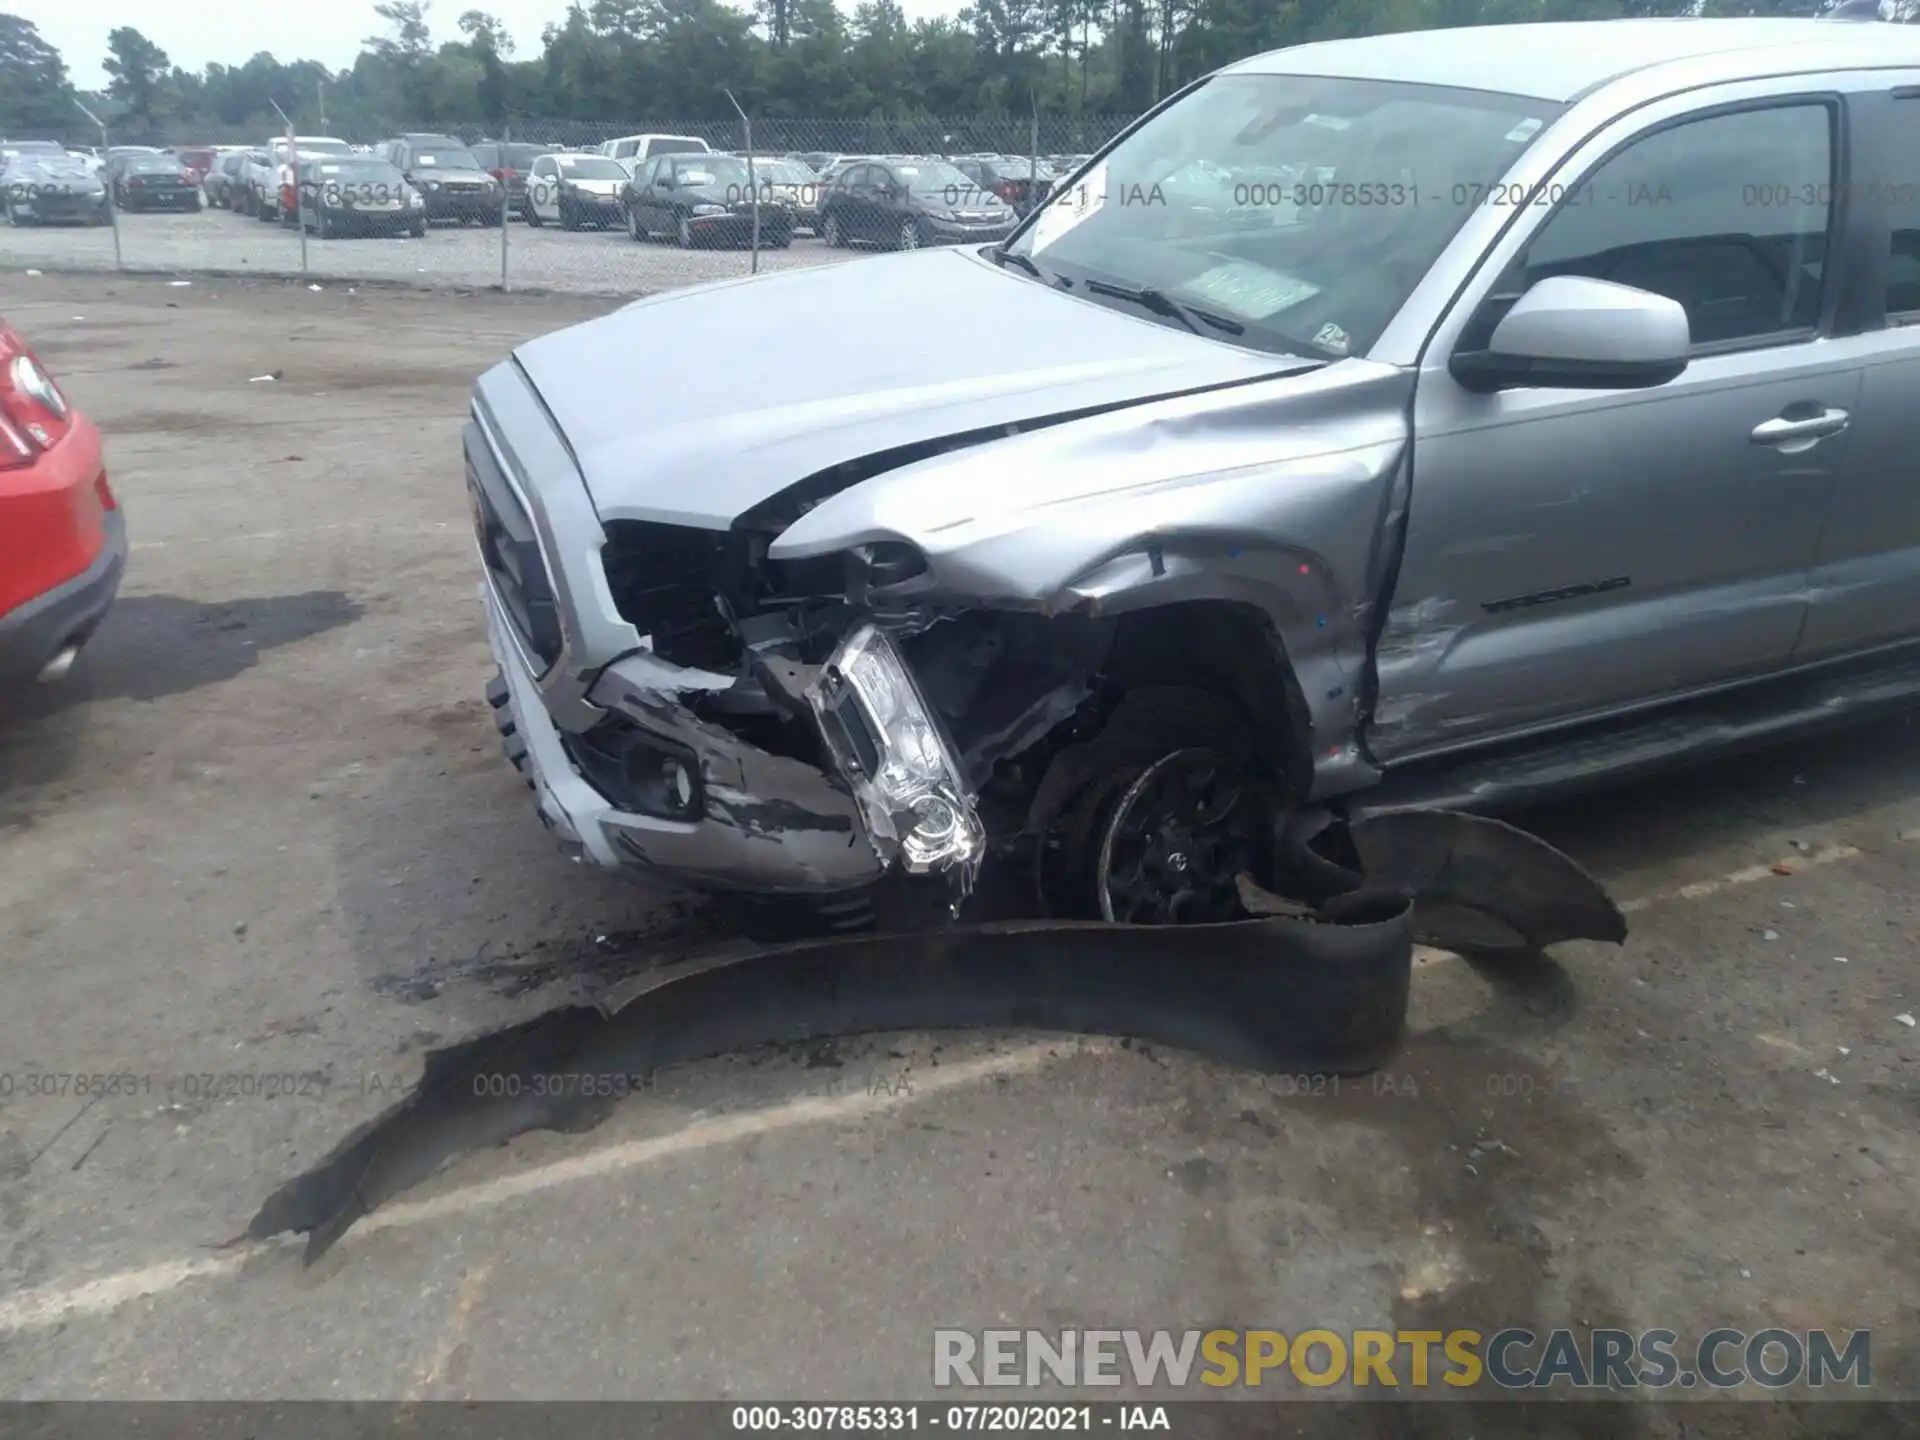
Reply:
x=63, y=539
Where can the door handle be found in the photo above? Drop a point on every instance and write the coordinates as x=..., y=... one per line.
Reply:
x=1785, y=430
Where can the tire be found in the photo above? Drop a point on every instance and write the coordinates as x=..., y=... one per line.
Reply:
x=635, y=230
x=14, y=217
x=418, y=230
x=830, y=233
x=909, y=236
x=683, y=232
x=194, y=209
x=321, y=230
x=569, y=219
x=533, y=216
x=782, y=240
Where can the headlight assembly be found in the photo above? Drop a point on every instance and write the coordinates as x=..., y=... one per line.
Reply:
x=706, y=209
x=904, y=773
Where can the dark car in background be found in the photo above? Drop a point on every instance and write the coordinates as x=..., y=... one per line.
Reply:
x=40, y=189
x=153, y=182
x=794, y=184
x=358, y=195
x=453, y=183
x=702, y=201
x=904, y=204
x=510, y=162
x=1021, y=182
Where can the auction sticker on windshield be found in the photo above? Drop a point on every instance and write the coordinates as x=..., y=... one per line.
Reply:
x=1075, y=204
x=1251, y=290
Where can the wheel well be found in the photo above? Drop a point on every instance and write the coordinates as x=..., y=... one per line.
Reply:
x=1229, y=649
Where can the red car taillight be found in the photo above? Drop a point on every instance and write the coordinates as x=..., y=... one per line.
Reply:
x=34, y=415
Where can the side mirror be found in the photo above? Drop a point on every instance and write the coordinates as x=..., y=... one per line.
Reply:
x=1569, y=332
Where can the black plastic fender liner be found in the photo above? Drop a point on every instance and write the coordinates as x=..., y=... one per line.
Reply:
x=1276, y=993
x=1465, y=870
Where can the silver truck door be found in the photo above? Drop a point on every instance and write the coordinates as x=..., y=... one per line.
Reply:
x=1865, y=586
x=1573, y=552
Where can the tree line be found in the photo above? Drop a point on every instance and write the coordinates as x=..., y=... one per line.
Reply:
x=610, y=61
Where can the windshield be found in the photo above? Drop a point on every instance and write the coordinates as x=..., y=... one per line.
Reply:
x=783, y=172
x=932, y=177
x=445, y=158
x=355, y=172
x=711, y=170
x=1304, y=209
x=153, y=165
x=591, y=167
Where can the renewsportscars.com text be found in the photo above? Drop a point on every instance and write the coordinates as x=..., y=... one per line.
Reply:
x=1509, y=1359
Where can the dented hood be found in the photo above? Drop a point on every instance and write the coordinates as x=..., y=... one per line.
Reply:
x=691, y=407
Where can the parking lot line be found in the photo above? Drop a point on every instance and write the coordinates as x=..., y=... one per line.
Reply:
x=63, y=1302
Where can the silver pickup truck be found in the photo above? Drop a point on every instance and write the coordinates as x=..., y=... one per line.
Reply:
x=1558, y=422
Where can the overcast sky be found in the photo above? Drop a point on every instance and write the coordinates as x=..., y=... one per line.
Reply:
x=194, y=32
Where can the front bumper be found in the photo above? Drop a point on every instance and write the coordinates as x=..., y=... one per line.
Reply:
x=768, y=824
x=955, y=232
x=461, y=205
x=183, y=199
x=736, y=227
x=374, y=221
x=37, y=630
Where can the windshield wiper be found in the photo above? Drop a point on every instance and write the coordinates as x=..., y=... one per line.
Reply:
x=1003, y=256
x=1161, y=303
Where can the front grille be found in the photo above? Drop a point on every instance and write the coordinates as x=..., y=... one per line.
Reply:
x=510, y=549
x=666, y=583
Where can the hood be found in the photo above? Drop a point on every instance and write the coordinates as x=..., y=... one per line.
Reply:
x=691, y=407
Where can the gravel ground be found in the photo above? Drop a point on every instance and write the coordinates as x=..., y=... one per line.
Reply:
x=264, y=830
x=584, y=261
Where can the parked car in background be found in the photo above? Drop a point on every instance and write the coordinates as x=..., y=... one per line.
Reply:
x=115, y=157
x=904, y=204
x=814, y=160
x=575, y=189
x=153, y=182
x=275, y=192
x=511, y=164
x=43, y=189
x=448, y=176
x=838, y=165
x=358, y=195
x=640, y=148
x=255, y=190
x=1020, y=182
x=794, y=185
x=16, y=149
x=197, y=159
x=219, y=182
x=63, y=539
x=702, y=201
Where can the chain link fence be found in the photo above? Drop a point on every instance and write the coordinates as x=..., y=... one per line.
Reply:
x=580, y=206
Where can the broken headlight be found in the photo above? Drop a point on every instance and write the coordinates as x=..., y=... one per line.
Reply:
x=904, y=773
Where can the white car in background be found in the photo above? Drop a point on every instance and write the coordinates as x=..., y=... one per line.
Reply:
x=572, y=190
x=632, y=150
